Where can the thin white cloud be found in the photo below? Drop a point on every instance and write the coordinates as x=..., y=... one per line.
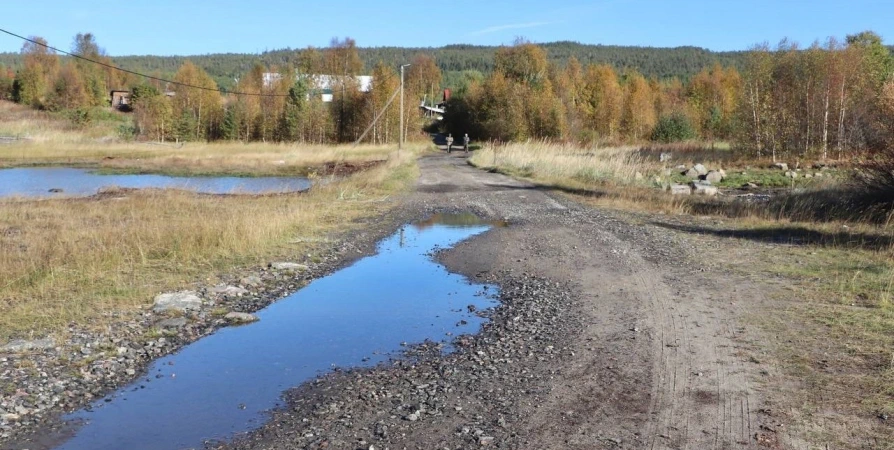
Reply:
x=511, y=26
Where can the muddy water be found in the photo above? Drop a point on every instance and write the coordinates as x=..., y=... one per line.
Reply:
x=358, y=316
x=64, y=181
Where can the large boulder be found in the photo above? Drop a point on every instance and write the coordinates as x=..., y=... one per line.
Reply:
x=701, y=169
x=780, y=166
x=692, y=173
x=177, y=301
x=714, y=177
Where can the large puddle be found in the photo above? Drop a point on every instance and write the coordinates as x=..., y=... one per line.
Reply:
x=66, y=181
x=358, y=316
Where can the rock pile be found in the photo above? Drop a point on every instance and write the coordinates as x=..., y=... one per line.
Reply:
x=702, y=183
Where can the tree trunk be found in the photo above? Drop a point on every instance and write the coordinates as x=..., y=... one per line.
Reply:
x=841, y=112
x=826, y=121
x=755, y=94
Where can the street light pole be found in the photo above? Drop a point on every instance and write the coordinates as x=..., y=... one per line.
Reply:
x=400, y=138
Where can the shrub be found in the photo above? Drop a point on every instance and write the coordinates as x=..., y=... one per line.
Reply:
x=673, y=128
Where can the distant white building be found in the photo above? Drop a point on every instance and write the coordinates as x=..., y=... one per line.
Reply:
x=322, y=84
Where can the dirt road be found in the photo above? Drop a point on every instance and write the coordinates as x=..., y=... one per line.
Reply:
x=611, y=335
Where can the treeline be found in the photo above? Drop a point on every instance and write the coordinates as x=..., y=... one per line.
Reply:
x=527, y=96
x=225, y=68
x=832, y=99
x=785, y=101
x=289, y=107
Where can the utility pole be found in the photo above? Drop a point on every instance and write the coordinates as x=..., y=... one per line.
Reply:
x=400, y=138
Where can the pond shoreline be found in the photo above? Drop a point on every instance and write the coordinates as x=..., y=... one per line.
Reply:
x=40, y=385
x=67, y=182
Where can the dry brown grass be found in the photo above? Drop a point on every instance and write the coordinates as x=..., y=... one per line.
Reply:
x=73, y=260
x=564, y=164
x=41, y=126
x=190, y=159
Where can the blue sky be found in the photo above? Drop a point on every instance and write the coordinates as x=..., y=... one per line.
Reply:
x=186, y=27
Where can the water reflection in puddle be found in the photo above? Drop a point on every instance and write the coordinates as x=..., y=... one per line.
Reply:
x=222, y=384
x=65, y=181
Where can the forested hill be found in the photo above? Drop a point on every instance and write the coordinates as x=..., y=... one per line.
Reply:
x=680, y=62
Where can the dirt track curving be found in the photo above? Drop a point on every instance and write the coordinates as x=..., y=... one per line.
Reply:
x=611, y=335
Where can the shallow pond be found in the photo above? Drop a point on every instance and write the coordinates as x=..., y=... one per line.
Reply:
x=358, y=316
x=40, y=181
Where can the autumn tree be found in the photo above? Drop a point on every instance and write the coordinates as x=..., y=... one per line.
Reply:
x=342, y=61
x=523, y=63
x=32, y=83
x=713, y=97
x=7, y=77
x=275, y=91
x=422, y=82
x=246, y=109
x=69, y=90
x=639, y=110
x=385, y=82
x=569, y=84
x=602, y=100
x=152, y=111
x=754, y=111
x=197, y=104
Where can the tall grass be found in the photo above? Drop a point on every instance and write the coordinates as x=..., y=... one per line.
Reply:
x=42, y=126
x=564, y=163
x=73, y=260
x=632, y=177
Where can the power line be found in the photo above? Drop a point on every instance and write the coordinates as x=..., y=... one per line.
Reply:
x=192, y=86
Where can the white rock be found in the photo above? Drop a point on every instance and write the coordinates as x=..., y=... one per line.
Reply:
x=714, y=177
x=240, y=317
x=20, y=345
x=295, y=267
x=179, y=301
x=229, y=290
x=679, y=189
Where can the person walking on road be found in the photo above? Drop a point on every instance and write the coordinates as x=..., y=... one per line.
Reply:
x=449, y=142
x=466, y=143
